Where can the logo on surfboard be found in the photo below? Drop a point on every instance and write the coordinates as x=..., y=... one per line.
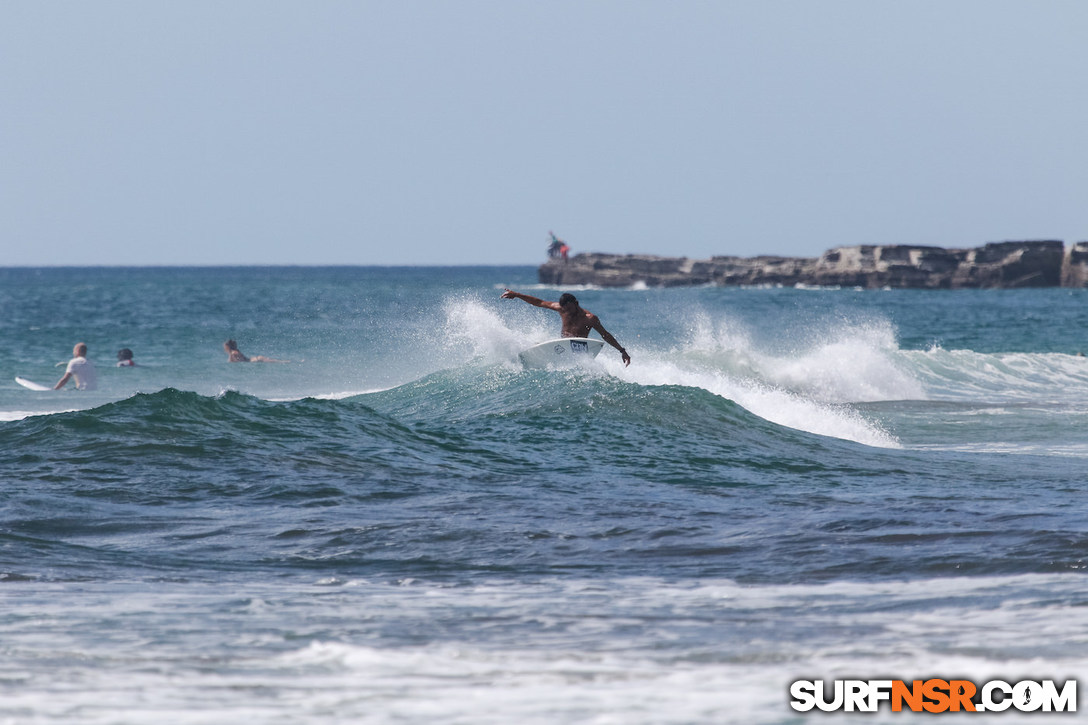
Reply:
x=575, y=346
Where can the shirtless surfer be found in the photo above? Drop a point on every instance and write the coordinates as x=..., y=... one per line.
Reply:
x=235, y=355
x=576, y=321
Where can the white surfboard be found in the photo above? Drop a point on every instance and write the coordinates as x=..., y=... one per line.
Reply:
x=563, y=351
x=31, y=384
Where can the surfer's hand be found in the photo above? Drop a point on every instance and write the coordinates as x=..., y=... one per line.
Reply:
x=625, y=357
x=508, y=294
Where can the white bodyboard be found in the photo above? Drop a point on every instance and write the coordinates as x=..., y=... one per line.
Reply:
x=31, y=384
x=563, y=351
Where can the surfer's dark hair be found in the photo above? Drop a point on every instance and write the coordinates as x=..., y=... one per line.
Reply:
x=566, y=298
x=124, y=354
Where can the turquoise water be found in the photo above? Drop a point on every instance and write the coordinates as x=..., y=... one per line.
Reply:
x=404, y=525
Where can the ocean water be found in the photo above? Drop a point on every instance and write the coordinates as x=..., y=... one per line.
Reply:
x=403, y=525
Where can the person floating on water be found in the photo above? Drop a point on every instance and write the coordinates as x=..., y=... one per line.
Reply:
x=124, y=358
x=80, y=368
x=235, y=355
x=577, y=322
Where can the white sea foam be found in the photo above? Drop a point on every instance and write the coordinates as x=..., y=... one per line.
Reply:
x=619, y=650
x=1014, y=376
x=476, y=330
x=337, y=395
x=13, y=415
x=805, y=391
x=774, y=404
x=840, y=363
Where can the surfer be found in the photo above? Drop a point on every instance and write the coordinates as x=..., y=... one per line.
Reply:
x=80, y=368
x=124, y=358
x=235, y=355
x=577, y=322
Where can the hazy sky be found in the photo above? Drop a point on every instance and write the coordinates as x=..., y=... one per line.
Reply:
x=461, y=131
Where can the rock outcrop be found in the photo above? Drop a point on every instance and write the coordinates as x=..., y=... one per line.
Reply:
x=1075, y=266
x=996, y=265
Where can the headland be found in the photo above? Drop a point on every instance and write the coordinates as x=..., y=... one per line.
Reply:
x=997, y=265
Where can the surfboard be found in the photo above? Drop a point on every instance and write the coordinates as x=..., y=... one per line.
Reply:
x=563, y=351
x=31, y=384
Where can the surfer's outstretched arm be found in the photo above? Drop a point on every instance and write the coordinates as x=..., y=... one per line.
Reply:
x=607, y=337
x=535, y=301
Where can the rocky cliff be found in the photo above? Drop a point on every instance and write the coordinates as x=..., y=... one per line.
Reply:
x=996, y=265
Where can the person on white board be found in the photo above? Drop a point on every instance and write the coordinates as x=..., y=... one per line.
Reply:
x=577, y=322
x=80, y=368
x=235, y=355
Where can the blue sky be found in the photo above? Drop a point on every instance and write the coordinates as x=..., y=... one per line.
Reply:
x=460, y=132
